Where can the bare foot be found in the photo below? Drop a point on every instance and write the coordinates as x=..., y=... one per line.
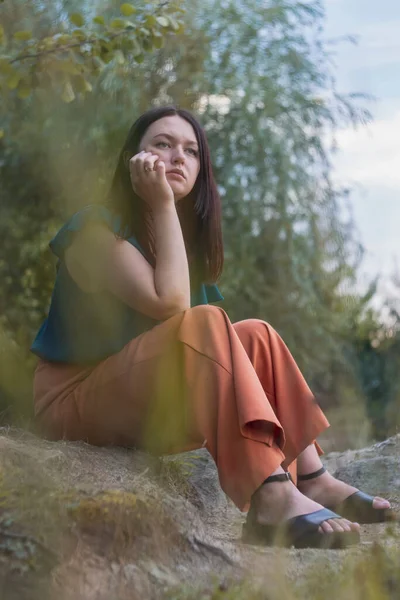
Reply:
x=276, y=502
x=329, y=491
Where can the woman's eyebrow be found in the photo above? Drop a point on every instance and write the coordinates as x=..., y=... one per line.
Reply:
x=173, y=139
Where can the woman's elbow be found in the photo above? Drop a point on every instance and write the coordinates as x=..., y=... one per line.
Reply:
x=173, y=307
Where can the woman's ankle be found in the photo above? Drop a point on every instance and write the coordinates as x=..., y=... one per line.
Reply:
x=273, y=497
x=256, y=495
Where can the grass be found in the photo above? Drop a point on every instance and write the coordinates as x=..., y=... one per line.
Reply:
x=373, y=576
x=42, y=524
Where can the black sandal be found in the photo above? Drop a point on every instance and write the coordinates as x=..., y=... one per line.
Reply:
x=356, y=507
x=300, y=532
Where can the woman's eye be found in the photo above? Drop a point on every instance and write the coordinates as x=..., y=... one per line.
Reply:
x=161, y=144
x=193, y=151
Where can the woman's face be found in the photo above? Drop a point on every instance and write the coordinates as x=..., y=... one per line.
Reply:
x=173, y=139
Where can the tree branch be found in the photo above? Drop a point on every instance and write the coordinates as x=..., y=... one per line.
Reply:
x=63, y=48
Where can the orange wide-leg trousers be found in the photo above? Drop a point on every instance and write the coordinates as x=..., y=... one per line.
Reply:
x=195, y=379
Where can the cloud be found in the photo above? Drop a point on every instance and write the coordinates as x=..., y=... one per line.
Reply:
x=378, y=44
x=377, y=32
x=369, y=161
x=371, y=155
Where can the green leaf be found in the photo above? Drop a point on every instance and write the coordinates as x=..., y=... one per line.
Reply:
x=68, y=94
x=136, y=47
x=99, y=20
x=5, y=67
x=119, y=57
x=82, y=85
x=13, y=80
x=97, y=63
x=78, y=33
x=1, y=133
x=139, y=58
x=77, y=19
x=158, y=41
x=105, y=44
x=117, y=24
x=24, y=90
x=107, y=57
x=68, y=66
x=23, y=36
x=174, y=23
x=127, y=9
x=163, y=21
x=181, y=28
x=64, y=39
x=147, y=44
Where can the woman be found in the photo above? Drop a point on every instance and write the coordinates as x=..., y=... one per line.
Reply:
x=132, y=353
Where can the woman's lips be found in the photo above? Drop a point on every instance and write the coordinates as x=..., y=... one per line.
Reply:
x=175, y=174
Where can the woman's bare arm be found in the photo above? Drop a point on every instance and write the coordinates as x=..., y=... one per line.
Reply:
x=96, y=260
x=171, y=276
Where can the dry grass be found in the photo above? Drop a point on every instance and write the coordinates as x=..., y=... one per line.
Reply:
x=67, y=531
x=373, y=576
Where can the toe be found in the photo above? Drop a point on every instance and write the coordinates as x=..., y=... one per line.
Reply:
x=337, y=524
x=380, y=503
x=354, y=526
x=345, y=524
x=326, y=527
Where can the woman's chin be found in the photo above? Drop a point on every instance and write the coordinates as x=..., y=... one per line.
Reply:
x=177, y=188
x=178, y=194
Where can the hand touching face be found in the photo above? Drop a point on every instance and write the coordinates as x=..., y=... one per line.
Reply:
x=172, y=141
x=148, y=178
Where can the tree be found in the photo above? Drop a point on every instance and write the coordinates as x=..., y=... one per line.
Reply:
x=55, y=145
x=65, y=54
x=55, y=148
x=270, y=106
x=260, y=76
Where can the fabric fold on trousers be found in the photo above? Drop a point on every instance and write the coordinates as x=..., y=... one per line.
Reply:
x=194, y=379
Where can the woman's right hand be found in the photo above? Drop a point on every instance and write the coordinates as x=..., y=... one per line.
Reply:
x=148, y=180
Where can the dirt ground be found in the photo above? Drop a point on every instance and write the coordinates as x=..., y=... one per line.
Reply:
x=86, y=523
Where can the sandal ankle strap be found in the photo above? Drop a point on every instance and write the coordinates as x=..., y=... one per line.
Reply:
x=286, y=476
x=311, y=475
x=282, y=477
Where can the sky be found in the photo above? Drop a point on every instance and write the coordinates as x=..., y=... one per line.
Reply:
x=369, y=157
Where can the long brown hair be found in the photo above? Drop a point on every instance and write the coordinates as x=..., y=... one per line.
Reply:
x=199, y=213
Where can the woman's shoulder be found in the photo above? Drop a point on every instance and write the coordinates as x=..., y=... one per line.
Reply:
x=92, y=214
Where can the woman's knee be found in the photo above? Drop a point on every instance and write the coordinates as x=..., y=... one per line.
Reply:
x=251, y=326
x=210, y=322
x=207, y=312
x=251, y=331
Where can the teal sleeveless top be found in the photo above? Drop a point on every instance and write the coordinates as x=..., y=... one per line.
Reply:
x=85, y=328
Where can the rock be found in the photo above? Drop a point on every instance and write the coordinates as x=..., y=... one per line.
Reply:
x=120, y=507
x=202, y=474
x=375, y=469
x=117, y=522
x=161, y=575
x=380, y=476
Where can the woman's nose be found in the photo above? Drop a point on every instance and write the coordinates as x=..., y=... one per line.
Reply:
x=178, y=156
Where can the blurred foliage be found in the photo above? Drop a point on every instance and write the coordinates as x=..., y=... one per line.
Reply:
x=66, y=52
x=373, y=575
x=261, y=77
